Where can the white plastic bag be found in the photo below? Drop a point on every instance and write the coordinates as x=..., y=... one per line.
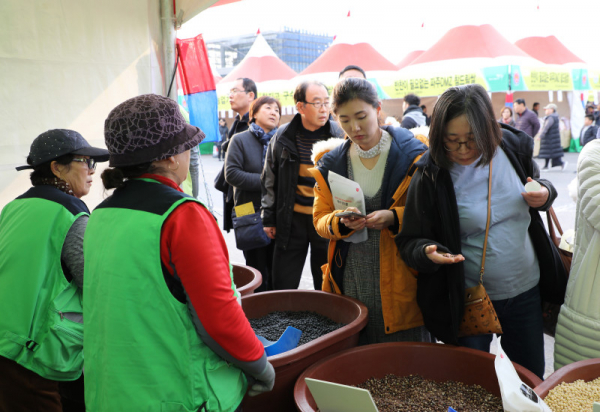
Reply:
x=516, y=395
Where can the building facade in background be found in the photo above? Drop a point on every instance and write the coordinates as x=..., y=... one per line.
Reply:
x=297, y=48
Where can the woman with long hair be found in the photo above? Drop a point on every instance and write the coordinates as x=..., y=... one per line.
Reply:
x=380, y=160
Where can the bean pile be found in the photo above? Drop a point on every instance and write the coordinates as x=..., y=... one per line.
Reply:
x=311, y=324
x=417, y=394
x=574, y=397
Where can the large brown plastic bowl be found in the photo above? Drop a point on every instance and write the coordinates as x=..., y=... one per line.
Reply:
x=289, y=365
x=246, y=278
x=431, y=360
x=588, y=370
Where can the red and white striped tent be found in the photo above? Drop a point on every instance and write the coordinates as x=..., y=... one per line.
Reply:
x=472, y=44
x=409, y=58
x=551, y=51
x=261, y=64
x=548, y=50
x=463, y=55
x=340, y=55
x=347, y=49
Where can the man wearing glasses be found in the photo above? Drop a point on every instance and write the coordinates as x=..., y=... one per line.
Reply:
x=241, y=95
x=287, y=188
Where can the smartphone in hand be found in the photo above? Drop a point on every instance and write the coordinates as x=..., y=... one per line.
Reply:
x=350, y=215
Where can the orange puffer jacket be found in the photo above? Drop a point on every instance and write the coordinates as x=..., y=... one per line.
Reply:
x=398, y=282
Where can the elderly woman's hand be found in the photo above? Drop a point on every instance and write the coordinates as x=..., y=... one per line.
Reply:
x=538, y=198
x=353, y=223
x=442, y=258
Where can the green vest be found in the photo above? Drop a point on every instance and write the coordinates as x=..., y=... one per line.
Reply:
x=142, y=352
x=41, y=323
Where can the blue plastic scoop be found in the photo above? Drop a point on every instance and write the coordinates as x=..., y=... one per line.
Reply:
x=287, y=341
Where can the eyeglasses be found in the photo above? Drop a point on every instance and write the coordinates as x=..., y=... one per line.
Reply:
x=454, y=146
x=91, y=163
x=234, y=91
x=318, y=105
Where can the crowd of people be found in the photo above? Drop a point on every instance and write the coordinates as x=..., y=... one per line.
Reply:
x=546, y=130
x=149, y=268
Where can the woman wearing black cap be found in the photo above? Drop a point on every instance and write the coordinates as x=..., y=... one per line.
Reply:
x=163, y=329
x=41, y=273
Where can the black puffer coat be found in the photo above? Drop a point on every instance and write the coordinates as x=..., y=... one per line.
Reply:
x=550, y=146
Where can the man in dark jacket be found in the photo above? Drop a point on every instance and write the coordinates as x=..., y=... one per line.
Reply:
x=241, y=96
x=589, y=131
x=427, y=118
x=223, y=133
x=413, y=115
x=525, y=119
x=287, y=188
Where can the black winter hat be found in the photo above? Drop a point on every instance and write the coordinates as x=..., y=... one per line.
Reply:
x=147, y=128
x=58, y=142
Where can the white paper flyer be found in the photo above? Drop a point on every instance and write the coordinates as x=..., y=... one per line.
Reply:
x=347, y=193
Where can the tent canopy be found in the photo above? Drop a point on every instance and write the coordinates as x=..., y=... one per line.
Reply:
x=470, y=42
x=349, y=48
x=185, y=10
x=409, y=58
x=340, y=55
x=67, y=64
x=260, y=64
x=548, y=50
x=470, y=54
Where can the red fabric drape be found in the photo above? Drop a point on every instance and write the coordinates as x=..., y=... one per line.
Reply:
x=194, y=70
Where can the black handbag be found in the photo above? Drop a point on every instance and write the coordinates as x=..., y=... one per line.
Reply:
x=550, y=311
x=220, y=184
x=249, y=233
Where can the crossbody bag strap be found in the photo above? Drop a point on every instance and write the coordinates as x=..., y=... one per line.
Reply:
x=487, y=224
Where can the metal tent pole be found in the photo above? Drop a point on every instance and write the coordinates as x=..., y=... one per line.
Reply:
x=167, y=23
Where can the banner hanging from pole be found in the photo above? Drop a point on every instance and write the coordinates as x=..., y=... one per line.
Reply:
x=198, y=85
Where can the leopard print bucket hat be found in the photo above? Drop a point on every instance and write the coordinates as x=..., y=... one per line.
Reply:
x=147, y=128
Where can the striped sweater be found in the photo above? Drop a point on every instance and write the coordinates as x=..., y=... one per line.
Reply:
x=304, y=190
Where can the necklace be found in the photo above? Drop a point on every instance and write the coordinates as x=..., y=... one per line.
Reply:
x=375, y=150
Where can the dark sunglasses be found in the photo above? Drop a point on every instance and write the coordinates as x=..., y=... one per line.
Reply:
x=91, y=163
